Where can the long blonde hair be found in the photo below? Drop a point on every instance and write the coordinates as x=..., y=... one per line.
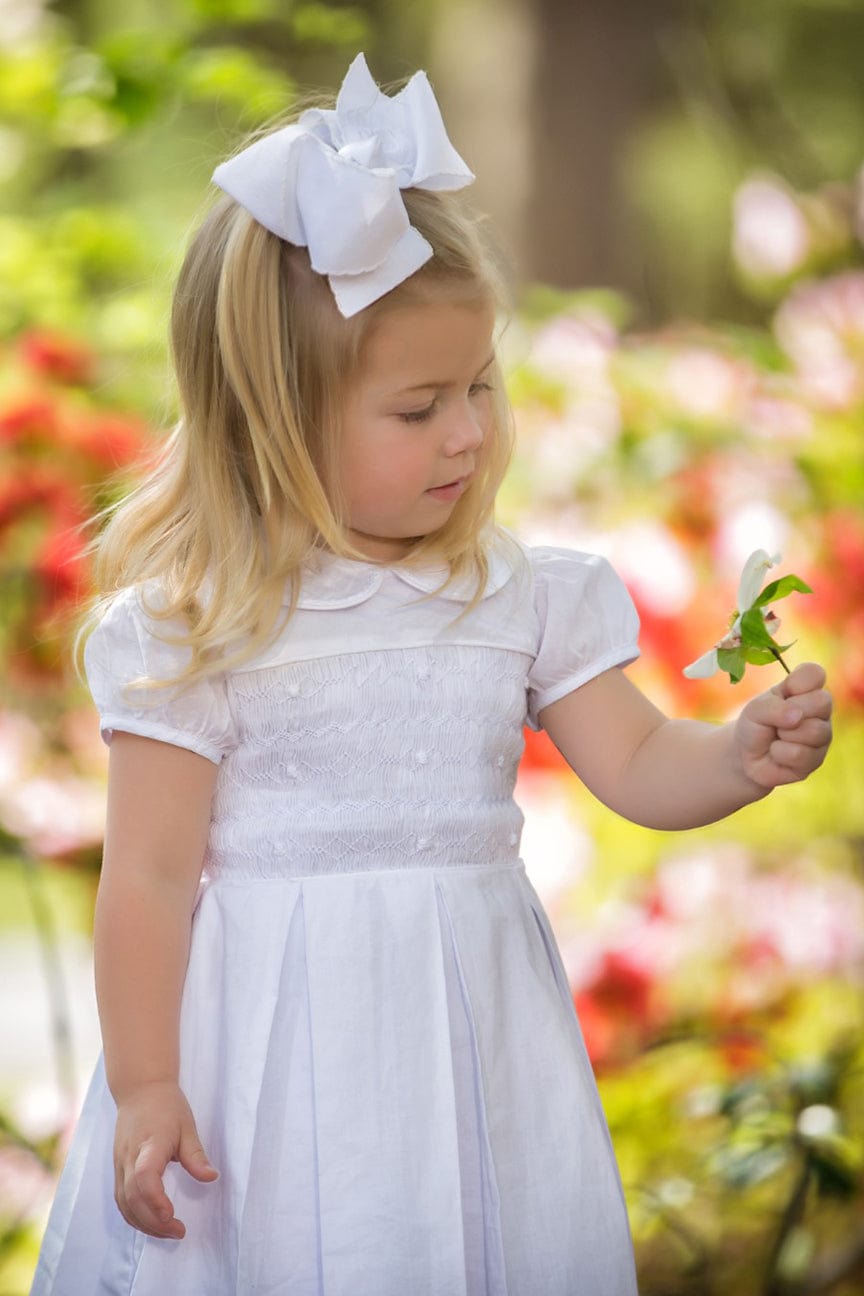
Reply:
x=238, y=498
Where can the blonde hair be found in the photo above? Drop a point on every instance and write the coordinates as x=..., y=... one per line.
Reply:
x=240, y=495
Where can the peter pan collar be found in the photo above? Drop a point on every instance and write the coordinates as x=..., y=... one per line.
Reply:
x=329, y=581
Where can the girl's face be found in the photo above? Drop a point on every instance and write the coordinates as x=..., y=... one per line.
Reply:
x=413, y=423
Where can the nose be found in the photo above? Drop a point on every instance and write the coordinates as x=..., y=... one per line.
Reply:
x=465, y=431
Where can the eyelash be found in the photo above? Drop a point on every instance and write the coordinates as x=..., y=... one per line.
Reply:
x=421, y=416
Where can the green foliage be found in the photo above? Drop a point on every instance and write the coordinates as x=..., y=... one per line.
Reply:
x=736, y=1075
x=234, y=76
x=234, y=11
x=97, y=137
x=327, y=25
x=541, y=302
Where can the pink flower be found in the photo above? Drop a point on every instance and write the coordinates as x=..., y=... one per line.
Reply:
x=820, y=326
x=55, y=815
x=770, y=237
x=707, y=384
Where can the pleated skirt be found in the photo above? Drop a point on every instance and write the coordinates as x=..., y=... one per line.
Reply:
x=388, y=1072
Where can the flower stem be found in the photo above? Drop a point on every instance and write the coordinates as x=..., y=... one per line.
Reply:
x=779, y=657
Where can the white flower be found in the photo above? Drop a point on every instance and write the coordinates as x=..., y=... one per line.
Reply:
x=703, y=667
x=749, y=589
x=753, y=578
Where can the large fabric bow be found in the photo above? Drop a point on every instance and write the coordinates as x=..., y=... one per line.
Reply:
x=331, y=183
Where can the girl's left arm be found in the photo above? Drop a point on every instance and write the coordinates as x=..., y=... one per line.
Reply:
x=671, y=774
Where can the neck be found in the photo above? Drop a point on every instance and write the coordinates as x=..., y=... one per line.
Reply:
x=381, y=549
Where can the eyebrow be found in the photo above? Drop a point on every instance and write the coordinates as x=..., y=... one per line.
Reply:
x=425, y=386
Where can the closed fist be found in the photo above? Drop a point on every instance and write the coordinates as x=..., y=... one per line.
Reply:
x=784, y=734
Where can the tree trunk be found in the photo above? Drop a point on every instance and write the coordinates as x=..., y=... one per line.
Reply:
x=597, y=70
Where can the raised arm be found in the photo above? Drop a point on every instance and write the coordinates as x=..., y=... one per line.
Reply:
x=673, y=774
x=159, y=798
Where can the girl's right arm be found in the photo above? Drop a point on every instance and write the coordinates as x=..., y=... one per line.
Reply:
x=159, y=798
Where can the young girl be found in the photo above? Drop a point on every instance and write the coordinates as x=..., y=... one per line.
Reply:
x=340, y=1053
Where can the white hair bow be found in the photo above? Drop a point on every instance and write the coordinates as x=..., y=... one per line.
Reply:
x=331, y=183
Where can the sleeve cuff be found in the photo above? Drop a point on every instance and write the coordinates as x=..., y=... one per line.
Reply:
x=161, y=732
x=621, y=656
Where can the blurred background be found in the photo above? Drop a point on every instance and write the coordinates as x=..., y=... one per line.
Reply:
x=678, y=187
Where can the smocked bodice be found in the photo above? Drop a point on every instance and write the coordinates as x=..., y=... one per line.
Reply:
x=383, y=727
x=372, y=760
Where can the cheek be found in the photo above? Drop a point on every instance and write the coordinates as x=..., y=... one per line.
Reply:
x=384, y=469
x=390, y=459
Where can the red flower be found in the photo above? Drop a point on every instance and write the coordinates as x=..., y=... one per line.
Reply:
x=839, y=582
x=599, y=1029
x=847, y=674
x=837, y=604
x=28, y=418
x=667, y=637
x=58, y=356
x=624, y=986
x=743, y=1051
x=618, y=1010
x=112, y=440
x=34, y=486
x=61, y=563
x=541, y=753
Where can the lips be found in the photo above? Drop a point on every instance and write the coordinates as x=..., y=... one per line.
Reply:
x=449, y=490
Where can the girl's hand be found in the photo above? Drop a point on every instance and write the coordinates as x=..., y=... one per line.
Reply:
x=782, y=736
x=154, y=1126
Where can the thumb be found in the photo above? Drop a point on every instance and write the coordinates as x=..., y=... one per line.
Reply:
x=192, y=1156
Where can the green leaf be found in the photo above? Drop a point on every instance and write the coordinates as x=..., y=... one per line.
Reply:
x=754, y=634
x=733, y=661
x=759, y=656
x=753, y=631
x=779, y=589
x=834, y=1178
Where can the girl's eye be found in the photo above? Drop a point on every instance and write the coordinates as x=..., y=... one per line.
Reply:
x=419, y=416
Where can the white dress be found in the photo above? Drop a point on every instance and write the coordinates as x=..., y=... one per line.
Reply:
x=377, y=1037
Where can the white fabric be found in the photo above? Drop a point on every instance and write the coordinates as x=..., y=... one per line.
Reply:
x=331, y=183
x=377, y=1036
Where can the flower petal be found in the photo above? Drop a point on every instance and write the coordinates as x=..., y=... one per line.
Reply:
x=704, y=666
x=753, y=577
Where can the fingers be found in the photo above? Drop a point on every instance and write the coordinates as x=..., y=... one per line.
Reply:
x=140, y=1193
x=154, y=1126
x=799, y=759
x=193, y=1158
x=798, y=711
x=141, y=1196
x=800, y=746
x=812, y=732
x=785, y=733
x=806, y=678
x=774, y=711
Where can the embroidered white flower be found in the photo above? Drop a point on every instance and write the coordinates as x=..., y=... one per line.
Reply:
x=750, y=637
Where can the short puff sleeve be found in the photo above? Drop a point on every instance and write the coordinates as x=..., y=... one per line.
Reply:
x=125, y=646
x=588, y=623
